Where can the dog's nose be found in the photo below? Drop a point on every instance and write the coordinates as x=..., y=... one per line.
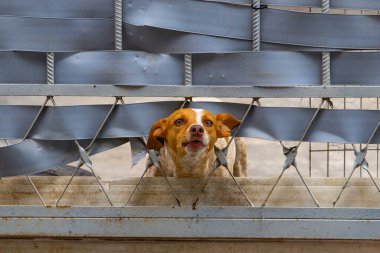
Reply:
x=197, y=130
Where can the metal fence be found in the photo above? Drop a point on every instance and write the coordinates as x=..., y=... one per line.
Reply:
x=228, y=49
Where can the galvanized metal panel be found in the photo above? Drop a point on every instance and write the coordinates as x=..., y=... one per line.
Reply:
x=22, y=67
x=135, y=120
x=267, y=46
x=267, y=213
x=58, y=9
x=320, y=30
x=257, y=68
x=157, y=40
x=55, y=35
x=352, y=4
x=313, y=3
x=123, y=68
x=32, y=156
x=270, y=68
x=355, y=68
x=208, y=18
x=340, y=4
x=351, y=91
x=191, y=227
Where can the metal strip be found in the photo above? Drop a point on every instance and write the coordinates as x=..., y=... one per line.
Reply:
x=339, y=4
x=122, y=68
x=351, y=91
x=350, y=68
x=353, y=4
x=257, y=68
x=135, y=120
x=228, y=69
x=22, y=67
x=319, y=30
x=55, y=35
x=267, y=213
x=191, y=228
x=191, y=16
x=57, y=8
x=312, y=3
x=158, y=40
x=39, y=156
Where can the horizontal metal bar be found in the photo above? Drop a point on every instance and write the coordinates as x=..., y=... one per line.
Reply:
x=187, y=212
x=189, y=91
x=339, y=150
x=58, y=9
x=55, y=35
x=320, y=30
x=186, y=223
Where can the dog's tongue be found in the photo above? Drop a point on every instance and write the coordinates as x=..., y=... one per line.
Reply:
x=194, y=145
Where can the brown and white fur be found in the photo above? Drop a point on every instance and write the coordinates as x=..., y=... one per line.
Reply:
x=186, y=142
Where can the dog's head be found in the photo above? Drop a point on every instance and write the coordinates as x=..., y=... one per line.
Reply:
x=190, y=131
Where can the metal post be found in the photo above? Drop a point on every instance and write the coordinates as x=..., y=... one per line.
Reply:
x=188, y=70
x=326, y=77
x=326, y=55
x=377, y=146
x=344, y=145
x=50, y=68
x=256, y=26
x=310, y=147
x=118, y=25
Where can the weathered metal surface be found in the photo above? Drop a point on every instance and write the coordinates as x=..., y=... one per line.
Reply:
x=22, y=67
x=188, y=246
x=257, y=69
x=152, y=39
x=55, y=35
x=351, y=68
x=204, y=222
x=58, y=9
x=290, y=192
x=191, y=16
x=320, y=30
x=343, y=4
x=191, y=228
x=119, y=67
x=57, y=128
x=135, y=120
x=351, y=91
x=135, y=68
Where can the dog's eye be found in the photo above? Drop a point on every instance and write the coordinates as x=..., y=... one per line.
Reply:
x=179, y=122
x=208, y=123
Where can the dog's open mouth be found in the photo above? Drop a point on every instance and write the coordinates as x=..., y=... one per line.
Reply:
x=194, y=145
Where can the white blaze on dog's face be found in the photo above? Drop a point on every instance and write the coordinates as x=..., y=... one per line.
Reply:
x=190, y=134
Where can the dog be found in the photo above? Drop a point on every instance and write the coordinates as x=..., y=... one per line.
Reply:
x=186, y=139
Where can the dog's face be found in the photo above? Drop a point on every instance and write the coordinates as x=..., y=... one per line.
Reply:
x=190, y=133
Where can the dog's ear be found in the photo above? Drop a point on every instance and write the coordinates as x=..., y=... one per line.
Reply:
x=225, y=123
x=157, y=135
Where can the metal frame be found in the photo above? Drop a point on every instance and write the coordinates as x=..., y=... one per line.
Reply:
x=185, y=223
x=189, y=91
